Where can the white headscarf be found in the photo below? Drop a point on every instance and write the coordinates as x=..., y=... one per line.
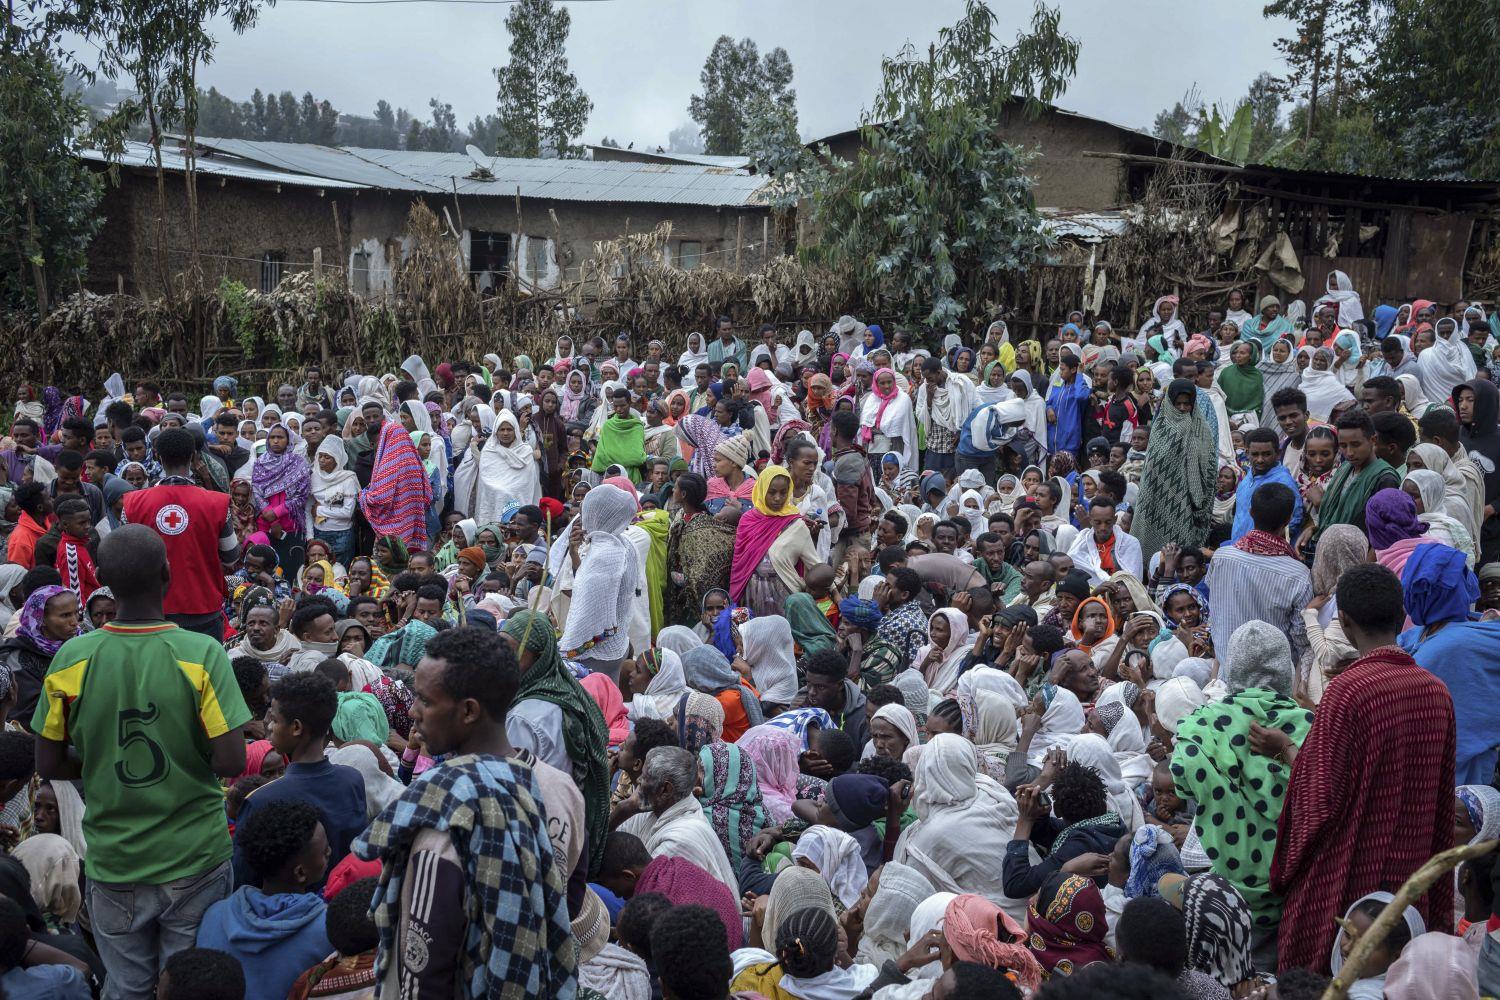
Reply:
x=1176, y=699
x=417, y=369
x=1062, y=720
x=506, y=474
x=1412, y=396
x=607, y=579
x=1415, y=927
x=380, y=788
x=1323, y=390
x=1036, y=407
x=964, y=822
x=900, y=716
x=1090, y=750
x=900, y=890
x=678, y=638
x=325, y=484
x=837, y=858
x=1341, y=292
x=1447, y=363
x=768, y=650
x=10, y=576
x=667, y=686
x=690, y=358
x=942, y=676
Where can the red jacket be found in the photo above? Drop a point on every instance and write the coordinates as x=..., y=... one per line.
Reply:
x=21, y=549
x=189, y=520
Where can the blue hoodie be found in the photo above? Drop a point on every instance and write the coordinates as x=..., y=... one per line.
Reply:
x=276, y=937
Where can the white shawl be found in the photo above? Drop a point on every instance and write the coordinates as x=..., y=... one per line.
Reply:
x=506, y=474
x=896, y=422
x=682, y=831
x=949, y=406
x=900, y=890
x=1062, y=720
x=690, y=358
x=1324, y=391
x=1446, y=363
x=768, y=650
x=667, y=687
x=417, y=369
x=1036, y=408
x=836, y=855
x=607, y=579
x=466, y=477
x=941, y=678
x=964, y=822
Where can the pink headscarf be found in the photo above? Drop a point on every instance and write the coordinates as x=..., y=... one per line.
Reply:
x=775, y=752
x=606, y=695
x=867, y=434
x=683, y=882
x=1434, y=966
x=255, y=756
x=979, y=931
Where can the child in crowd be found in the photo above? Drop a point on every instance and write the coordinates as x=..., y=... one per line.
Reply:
x=201, y=974
x=348, y=973
x=277, y=930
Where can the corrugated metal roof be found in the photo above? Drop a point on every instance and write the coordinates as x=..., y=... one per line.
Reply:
x=140, y=155
x=1089, y=227
x=563, y=180
x=661, y=156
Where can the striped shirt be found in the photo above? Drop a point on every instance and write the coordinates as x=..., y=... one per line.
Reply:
x=1248, y=587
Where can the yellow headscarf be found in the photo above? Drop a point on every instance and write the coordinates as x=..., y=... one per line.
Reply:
x=763, y=490
x=328, y=580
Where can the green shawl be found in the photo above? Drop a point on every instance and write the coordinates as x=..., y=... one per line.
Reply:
x=1239, y=793
x=407, y=644
x=1344, y=500
x=400, y=557
x=1244, y=386
x=445, y=556
x=657, y=524
x=1009, y=578
x=584, y=733
x=622, y=441
x=360, y=717
x=1176, y=499
x=810, y=627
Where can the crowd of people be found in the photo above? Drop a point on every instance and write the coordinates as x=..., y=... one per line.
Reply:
x=824, y=666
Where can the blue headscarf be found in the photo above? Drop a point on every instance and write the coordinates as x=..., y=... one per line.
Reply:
x=860, y=613
x=933, y=481
x=722, y=638
x=877, y=338
x=1152, y=855
x=1439, y=586
x=1385, y=318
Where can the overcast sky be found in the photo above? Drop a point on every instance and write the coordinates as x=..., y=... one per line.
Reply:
x=639, y=59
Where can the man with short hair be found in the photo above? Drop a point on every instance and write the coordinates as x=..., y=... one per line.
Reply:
x=828, y=687
x=155, y=717
x=725, y=346
x=904, y=623
x=1381, y=394
x=1394, y=436
x=1370, y=792
x=35, y=504
x=70, y=481
x=1361, y=475
x=314, y=391
x=198, y=529
x=1439, y=426
x=1265, y=467
x=1004, y=580
x=943, y=404
x=1259, y=577
x=1105, y=549
x=667, y=817
x=1290, y=407
x=470, y=836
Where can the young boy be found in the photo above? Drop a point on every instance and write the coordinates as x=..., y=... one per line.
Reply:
x=349, y=973
x=302, y=709
x=820, y=588
x=201, y=974
x=278, y=930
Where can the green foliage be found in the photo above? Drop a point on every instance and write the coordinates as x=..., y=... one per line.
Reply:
x=439, y=136
x=281, y=119
x=1225, y=136
x=1176, y=124
x=541, y=106
x=47, y=196
x=238, y=316
x=735, y=81
x=777, y=151
x=937, y=209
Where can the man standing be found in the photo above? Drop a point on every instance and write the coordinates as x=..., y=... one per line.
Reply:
x=1290, y=407
x=70, y=481
x=1067, y=402
x=943, y=404
x=726, y=347
x=1370, y=797
x=1259, y=577
x=469, y=836
x=156, y=717
x=196, y=526
x=853, y=484
x=1265, y=467
x=314, y=391
x=35, y=520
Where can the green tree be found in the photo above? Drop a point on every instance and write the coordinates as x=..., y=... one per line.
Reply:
x=1267, y=130
x=1178, y=123
x=48, y=197
x=685, y=138
x=734, y=78
x=438, y=136
x=936, y=207
x=541, y=105
x=777, y=151
x=486, y=133
x=1327, y=54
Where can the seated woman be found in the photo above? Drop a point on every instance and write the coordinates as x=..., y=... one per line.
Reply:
x=1067, y=925
x=707, y=670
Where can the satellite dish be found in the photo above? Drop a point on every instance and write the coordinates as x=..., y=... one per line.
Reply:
x=477, y=155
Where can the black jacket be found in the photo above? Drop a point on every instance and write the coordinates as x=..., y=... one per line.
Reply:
x=28, y=666
x=1022, y=878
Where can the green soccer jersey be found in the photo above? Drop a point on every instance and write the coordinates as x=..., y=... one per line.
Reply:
x=140, y=703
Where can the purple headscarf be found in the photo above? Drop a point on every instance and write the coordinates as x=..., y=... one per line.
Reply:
x=52, y=411
x=33, y=619
x=287, y=473
x=1390, y=516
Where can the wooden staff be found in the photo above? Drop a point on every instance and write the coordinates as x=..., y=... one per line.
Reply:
x=1421, y=880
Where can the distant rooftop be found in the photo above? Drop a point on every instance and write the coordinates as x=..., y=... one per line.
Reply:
x=311, y=165
x=659, y=155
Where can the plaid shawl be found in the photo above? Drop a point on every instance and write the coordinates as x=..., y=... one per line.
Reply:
x=396, y=501
x=519, y=942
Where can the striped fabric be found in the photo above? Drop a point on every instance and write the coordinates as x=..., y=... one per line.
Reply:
x=396, y=501
x=1248, y=587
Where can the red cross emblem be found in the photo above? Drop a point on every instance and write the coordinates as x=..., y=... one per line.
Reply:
x=171, y=520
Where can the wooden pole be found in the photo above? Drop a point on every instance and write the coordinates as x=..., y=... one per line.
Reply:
x=1420, y=881
x=739, y=239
